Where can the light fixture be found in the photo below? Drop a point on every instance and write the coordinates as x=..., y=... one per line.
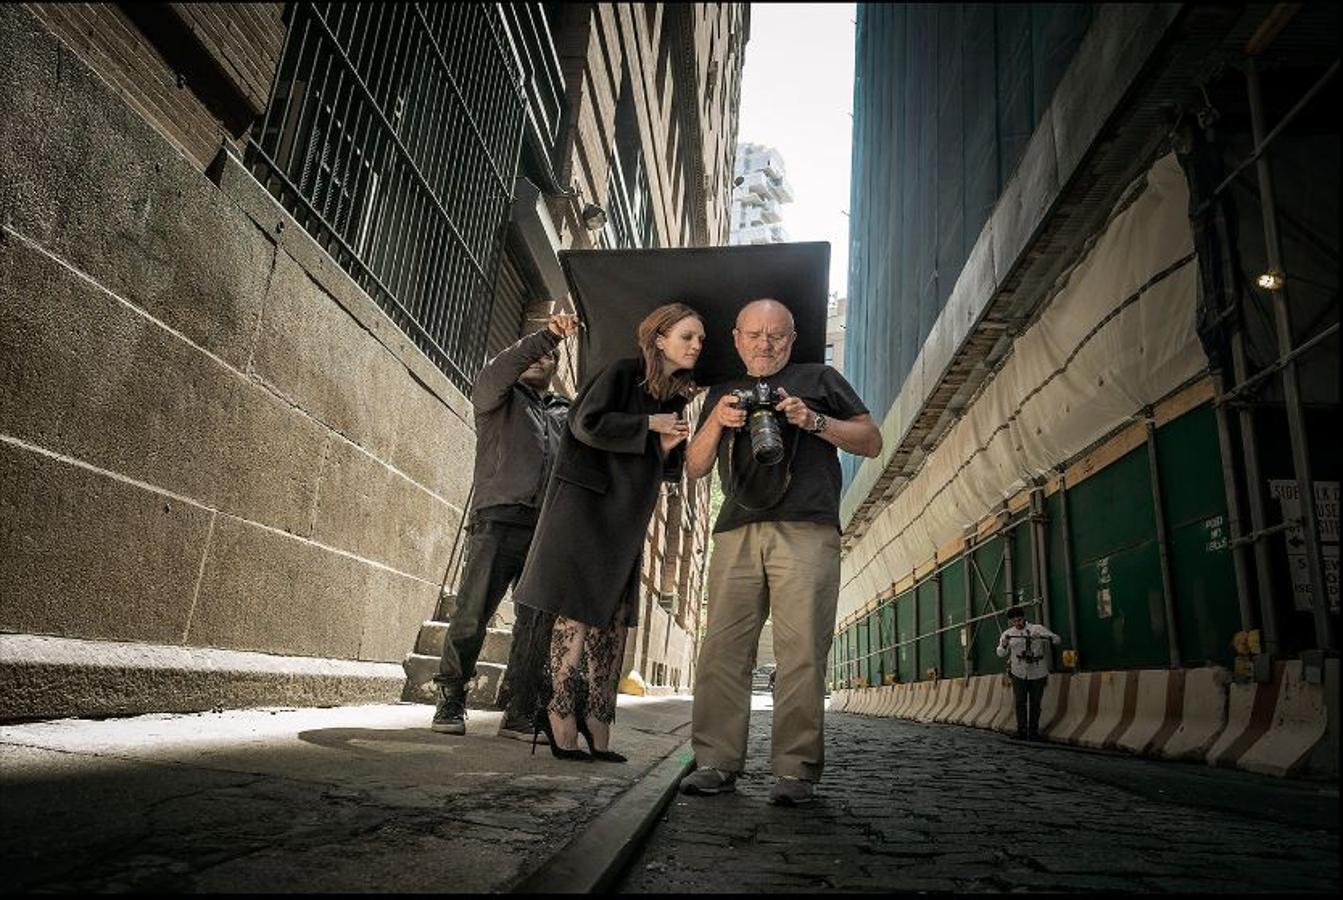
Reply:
x=1271, y=280
x=594, y=217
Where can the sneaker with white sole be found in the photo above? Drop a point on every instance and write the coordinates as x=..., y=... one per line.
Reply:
x=709, y=781
x=790, y=791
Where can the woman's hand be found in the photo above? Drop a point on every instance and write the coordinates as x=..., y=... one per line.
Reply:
x=669, y=441
x=671, y=430
x=669, y=424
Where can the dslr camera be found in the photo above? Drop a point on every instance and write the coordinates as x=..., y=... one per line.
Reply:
x=763, y=422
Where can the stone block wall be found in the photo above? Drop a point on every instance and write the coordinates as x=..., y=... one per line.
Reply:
x=209, y=437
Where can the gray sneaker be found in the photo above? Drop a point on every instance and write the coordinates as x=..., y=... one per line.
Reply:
x=790, y=791
x=521, y=729
x=709, y=781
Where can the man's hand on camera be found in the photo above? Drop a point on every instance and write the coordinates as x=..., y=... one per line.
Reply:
x=727, y=413
x=563, y=325
x=795, y=411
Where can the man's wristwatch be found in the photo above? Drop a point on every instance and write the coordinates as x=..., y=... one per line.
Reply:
x=819, y=424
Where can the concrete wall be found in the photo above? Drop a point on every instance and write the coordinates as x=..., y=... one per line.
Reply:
x=209, y=437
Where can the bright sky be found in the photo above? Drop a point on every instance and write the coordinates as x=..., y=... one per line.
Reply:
x=797, y=96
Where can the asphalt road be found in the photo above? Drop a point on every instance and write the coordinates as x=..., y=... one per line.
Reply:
x=912, y=807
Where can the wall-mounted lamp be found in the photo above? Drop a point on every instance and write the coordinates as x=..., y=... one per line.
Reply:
x=1271, y=280
x=594, y=217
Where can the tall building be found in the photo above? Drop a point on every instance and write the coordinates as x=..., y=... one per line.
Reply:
x=252, y=257
x=836, y=312
x=760, y=190
x=1076, y=229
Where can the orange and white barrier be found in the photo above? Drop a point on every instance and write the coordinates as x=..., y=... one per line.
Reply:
x=1201, y=716
x=1273, y=728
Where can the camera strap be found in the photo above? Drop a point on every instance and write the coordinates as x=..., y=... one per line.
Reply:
x=731, y=487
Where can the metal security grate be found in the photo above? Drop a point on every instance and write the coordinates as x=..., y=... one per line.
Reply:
x=392, y=135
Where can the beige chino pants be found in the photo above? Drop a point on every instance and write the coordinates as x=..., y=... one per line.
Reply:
x=792, y=569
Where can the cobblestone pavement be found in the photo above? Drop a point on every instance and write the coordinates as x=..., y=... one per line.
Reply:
x=912, y=807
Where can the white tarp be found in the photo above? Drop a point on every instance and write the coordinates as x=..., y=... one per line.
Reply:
x=1118, y=337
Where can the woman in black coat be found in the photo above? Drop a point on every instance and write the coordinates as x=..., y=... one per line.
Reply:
x=625, y=437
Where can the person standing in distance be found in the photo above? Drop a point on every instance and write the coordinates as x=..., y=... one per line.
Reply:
x=519, y=425
x=776, y=548
x=1028, y=667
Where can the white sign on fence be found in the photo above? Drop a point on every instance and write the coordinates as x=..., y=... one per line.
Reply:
x=1286, y=492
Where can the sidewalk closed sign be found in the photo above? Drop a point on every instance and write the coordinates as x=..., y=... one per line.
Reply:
x=1288, y=495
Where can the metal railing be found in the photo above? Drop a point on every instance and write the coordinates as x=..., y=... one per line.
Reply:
x=392, y=136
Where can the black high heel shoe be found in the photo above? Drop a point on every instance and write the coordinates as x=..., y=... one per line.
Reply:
x=603, y=755
x=542, y=724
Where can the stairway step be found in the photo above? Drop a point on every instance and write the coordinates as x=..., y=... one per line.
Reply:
x=420, y=671
x=495, y=649
x=503, y=617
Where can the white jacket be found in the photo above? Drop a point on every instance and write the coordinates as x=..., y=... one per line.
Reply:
x=1027, y=649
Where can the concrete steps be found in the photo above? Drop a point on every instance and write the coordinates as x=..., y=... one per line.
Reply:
x=434, y=634
x=421, y=665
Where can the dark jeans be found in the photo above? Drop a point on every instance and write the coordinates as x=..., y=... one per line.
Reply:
x=1034, y=689
x=495, y=553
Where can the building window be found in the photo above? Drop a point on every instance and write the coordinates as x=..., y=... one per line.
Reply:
x=392, y=136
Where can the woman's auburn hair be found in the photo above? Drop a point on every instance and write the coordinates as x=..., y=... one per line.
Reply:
x=657, y=323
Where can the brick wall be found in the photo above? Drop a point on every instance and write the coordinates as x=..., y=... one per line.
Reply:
x=199, y=73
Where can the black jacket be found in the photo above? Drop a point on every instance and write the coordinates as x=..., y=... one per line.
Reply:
x=584, y=560
x=518, y=431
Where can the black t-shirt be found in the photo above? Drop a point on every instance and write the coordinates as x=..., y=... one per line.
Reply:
x=812, y=492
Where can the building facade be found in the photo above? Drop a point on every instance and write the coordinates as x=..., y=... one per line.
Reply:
x=760, y=190
x=1075, y=229
x=253, y=256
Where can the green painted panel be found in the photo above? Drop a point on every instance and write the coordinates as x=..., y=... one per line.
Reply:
x=904, y=620
x=887, y=638
x=864, y=647
x=1117, y=567
x=1207, y=609
x=992, y=576
x=1189, y=460
x=953, y=613
x=1057, y=569
x=874, y=647
x=1023, y=573
x=1120, y=617
x=1112, y=508
x=928, y=643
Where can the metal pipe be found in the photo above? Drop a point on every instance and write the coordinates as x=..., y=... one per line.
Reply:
x=1296, y=423
x=992, y=614
x=1159, y=514
x=1262, y=143
x=1254, y=480
x=1009, y=583
x=1231, y=488
x=1272, y=529
x=937, y=611
x=1253, y=380
x=969, y=608
x=914, y=595
x=1069, y=580
x=1040, y=556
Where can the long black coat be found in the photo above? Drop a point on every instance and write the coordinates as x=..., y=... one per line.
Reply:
x=584, y=558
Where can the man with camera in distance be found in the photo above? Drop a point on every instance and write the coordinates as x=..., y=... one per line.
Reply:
x=1028, y=668
x=775, y=435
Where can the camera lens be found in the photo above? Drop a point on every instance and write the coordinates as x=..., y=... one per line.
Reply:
x=766, y=438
